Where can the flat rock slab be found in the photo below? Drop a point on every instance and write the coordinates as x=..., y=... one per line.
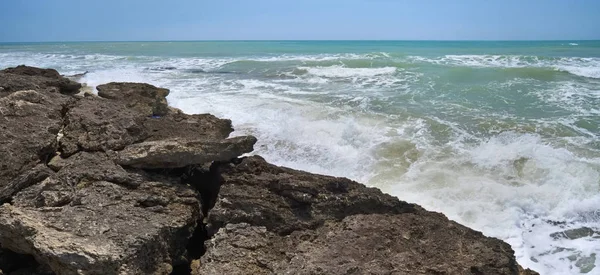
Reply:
x=177, y=125
x=181, y=153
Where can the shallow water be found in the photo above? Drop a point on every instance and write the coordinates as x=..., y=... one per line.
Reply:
x=500, y=136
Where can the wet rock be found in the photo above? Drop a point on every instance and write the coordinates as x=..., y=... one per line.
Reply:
x=144, y=98
x=29, y=124
x=275, y=220
x=576, y=233
x=77, y=77
x=30, y=78
x=96, y=217
x=587, y=263
x=523, y=271
x=181, y=153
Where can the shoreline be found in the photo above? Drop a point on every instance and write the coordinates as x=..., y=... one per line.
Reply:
x=180, y=184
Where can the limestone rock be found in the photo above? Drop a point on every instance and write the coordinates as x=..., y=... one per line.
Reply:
x=284, y=200
x=29, y=124
x=275, y=220
x=96, y=124
x=177, y=125
x=94, y=217
x=144, y=98
x=181, y=153
x=30, y=78
x=26, y=179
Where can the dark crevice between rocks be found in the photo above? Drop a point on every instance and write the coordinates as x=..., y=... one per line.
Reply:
x=15, y=263
x=64, y=123
x=207, y=181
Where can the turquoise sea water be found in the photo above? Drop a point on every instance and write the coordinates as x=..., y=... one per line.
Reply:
x=503, y=137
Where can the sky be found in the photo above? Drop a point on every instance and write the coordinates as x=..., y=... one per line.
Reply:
x=145, y=20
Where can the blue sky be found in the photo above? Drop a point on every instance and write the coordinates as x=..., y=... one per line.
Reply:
x=110, y=20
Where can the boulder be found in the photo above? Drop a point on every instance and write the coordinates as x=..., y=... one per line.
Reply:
x=285, y=200
x=181, y=153
x=144, y=98
x=29, y=124
x=32, y=71
x=30, y=78
x=94, y=217
x=98, y=124
x=407, y=243
x=275, y=220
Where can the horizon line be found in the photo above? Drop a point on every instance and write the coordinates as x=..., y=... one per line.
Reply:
x=305, y=40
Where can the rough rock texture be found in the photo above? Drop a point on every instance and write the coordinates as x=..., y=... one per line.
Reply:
x=121, y=184
x=94, y=216
x=177, y=154
x=69, y=206
x=275, y=220
x=142, y=97
x=29, y=124
x=30, y=78
x=96, y=124
x=177, y=125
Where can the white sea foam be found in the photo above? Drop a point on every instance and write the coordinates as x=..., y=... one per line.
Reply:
x=582, y=99
x=510, y=186
x=592, y=71
x=340, y=71
x=586, y=67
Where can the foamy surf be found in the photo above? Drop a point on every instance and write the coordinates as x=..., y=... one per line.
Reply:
x=586, y=67
x=340, y=71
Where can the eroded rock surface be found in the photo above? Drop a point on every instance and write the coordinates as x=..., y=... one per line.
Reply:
x=96, y=124
x=29, y=124
x=31, y=78
x=69, y=206
x=275, y=220
x=144, y=98
x=178, y=154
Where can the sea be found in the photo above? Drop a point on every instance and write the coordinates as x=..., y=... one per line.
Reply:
x=501, y=136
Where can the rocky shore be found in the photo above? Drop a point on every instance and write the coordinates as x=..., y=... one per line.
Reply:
x=121, y=183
